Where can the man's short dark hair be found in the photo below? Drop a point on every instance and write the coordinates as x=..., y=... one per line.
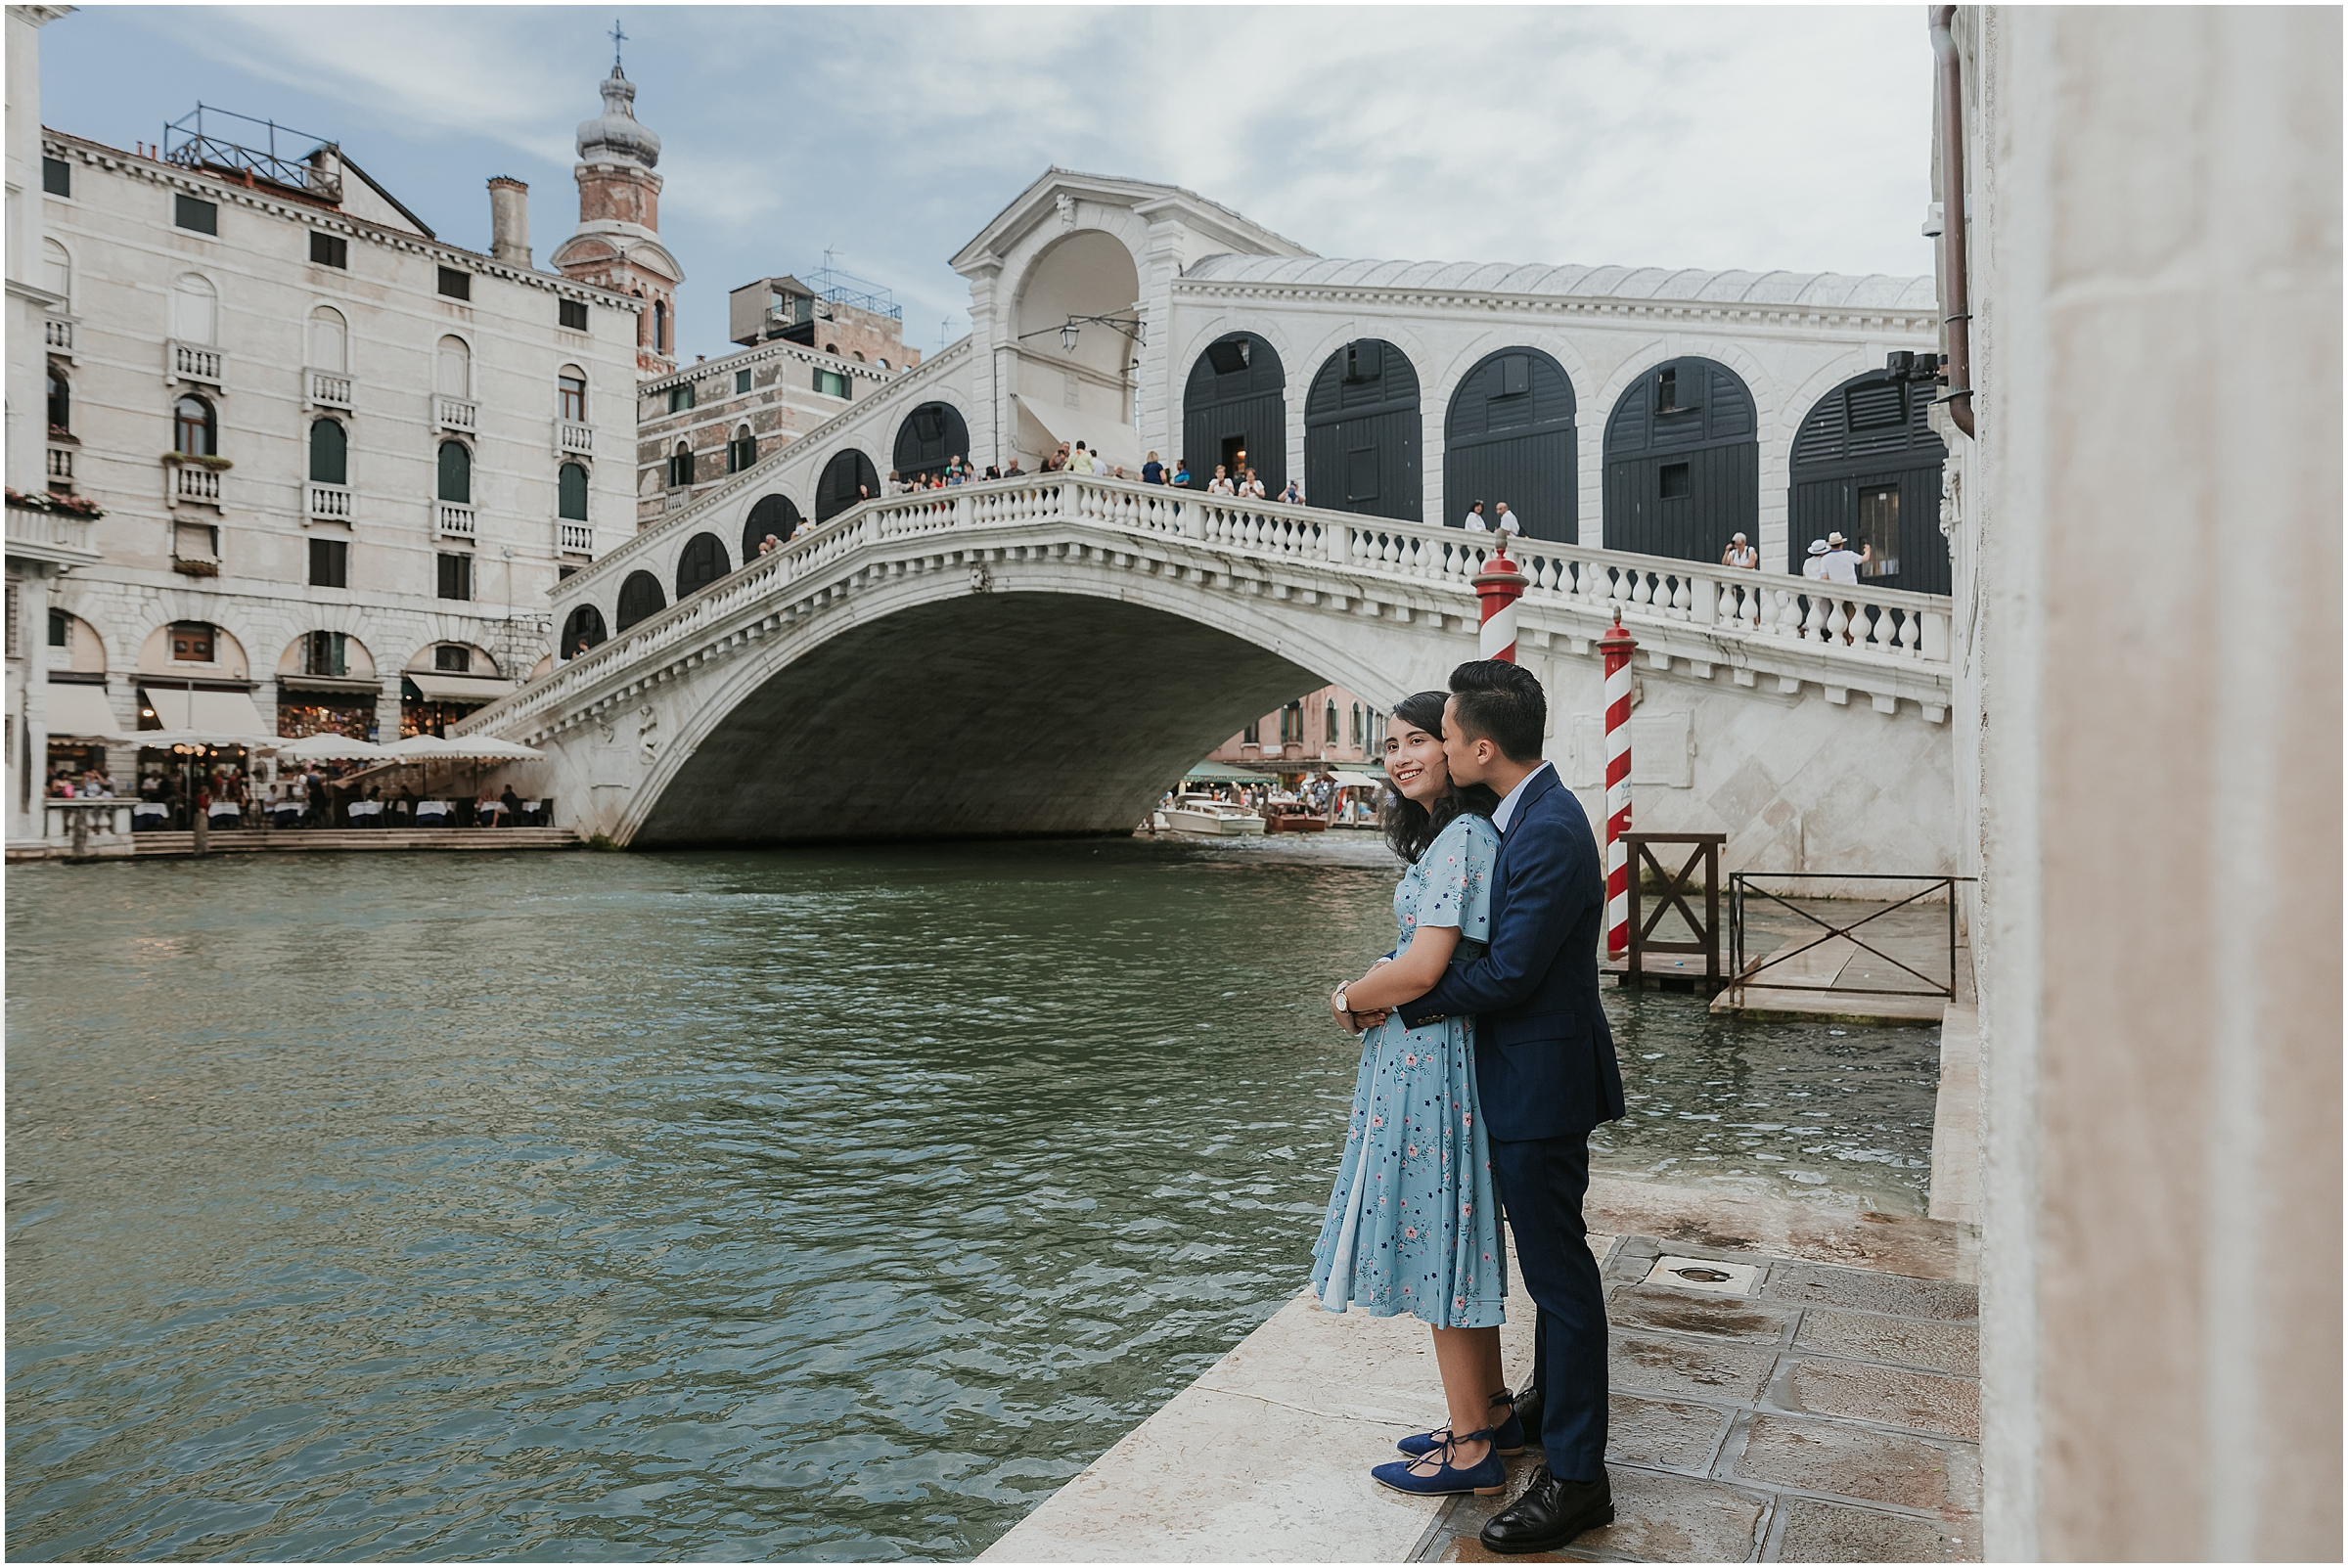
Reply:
x=1501, y=702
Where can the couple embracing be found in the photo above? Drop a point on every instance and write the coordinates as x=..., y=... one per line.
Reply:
x=1485, y=1062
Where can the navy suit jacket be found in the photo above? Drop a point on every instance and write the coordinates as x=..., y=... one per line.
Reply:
x=1544, y=1057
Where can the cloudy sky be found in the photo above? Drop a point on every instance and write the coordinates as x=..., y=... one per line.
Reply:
x=1746, y=137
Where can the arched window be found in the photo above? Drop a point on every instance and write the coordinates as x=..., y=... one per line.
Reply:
x=582, y=631
x=192, y=427
x=640, y=596
x=659, y=327
x=931, y=436
x=329, y=448
x=452, y=375
x=456, y=474
x=329, y=341
x=195, y=310
x=742, y=451
x=1866, y=464
x=1291, y=724
x=61, y=403
x=700, y=562
x=679, y=466
x=571, y=394
x=570, y=502
x=772, y=515
x=1331, y=729
x=57, y=271
x=883, y=362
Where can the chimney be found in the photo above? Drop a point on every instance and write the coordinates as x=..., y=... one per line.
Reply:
x=509, y=221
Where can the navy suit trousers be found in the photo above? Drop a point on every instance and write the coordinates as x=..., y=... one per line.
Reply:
x=1541, y=1182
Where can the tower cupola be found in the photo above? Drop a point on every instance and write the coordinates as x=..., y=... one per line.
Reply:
x=617, y=135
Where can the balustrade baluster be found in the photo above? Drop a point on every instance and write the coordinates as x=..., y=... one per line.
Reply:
x=1700, y=598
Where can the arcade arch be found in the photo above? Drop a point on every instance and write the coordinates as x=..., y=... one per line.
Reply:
x=775, y=514
x=1683, y=462
x=1867, y=464
x=1235, y=412
x=1078, y=347
x=847, y=479
x=639, y=599
x=700, y=562
x=582, y=630
x=930, y=437
x=1509, y=435
x=1362, y=441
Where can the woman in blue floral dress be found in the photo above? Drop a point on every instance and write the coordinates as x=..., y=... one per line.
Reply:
x=1413, y=1225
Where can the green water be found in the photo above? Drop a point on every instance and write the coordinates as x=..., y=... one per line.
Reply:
x=828, y=1204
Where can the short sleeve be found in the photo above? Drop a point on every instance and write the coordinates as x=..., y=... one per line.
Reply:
x=1457, y=866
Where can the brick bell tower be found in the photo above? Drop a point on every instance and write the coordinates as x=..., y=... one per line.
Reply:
x=617, y=242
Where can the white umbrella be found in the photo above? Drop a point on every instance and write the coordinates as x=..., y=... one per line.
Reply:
x=196, y=737
x=1357, y=780
x=329, y=748
x=459, y=748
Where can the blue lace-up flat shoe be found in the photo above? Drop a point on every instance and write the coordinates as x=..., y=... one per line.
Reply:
x=1508, y=1438
x=1487, y=1479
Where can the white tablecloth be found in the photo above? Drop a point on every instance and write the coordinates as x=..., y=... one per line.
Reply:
x=148, y=814
x=432, y=810
x=225, y=808
x=366, y=808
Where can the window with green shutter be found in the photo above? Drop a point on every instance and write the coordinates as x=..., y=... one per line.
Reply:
x=456, y=474
x=573, y=499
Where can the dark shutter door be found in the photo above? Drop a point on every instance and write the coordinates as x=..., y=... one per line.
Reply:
x=1517, y=447
x=774, y=513
x=639, y=598
x=835, y=491
x=1236, y=396
x=1365, y=400
x=699, y=563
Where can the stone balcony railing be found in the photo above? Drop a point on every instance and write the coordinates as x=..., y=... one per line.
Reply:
x=575, y=538
x=455, y=414
x=1884, y=642
x=51, y=535
x=194, y=484
x=57, y=335
x=574, y=439
x=61, y=468
x=452, y=520
x=198, y=362
x=330, y=503
x=326, y=388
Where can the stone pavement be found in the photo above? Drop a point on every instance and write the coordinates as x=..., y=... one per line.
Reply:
x=1819, y=1403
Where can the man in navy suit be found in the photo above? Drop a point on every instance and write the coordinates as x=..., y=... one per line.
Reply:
x=1546, y=1074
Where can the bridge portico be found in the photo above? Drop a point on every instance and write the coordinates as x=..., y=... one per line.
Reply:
x=1045, y=657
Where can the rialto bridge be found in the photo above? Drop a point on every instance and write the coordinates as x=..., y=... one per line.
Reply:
x=1046, y=655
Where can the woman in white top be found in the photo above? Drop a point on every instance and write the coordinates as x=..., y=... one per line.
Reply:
x=1253, y=488
x=1220, y=484
x=1741, y=554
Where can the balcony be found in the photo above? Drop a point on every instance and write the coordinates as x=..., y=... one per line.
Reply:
x=574, y=439
x=52, y=536
x=578, y=539
x=57, y=335
x=199, y=363
x=327, y=388
x=61, y=469
x=453, y=520
x=193, y=484
x=455, y=414
x=330, y=503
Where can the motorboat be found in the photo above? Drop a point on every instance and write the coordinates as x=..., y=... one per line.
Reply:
x=1294, y=817
x=1211, y=818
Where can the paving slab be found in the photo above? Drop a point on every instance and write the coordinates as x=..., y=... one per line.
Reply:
x=1941, y=1347
x=1852, y=1462
x=1949, y=1406
x=1657, y=1518
x=1664, y=1434
x=1716, y=1370
x=1829, y=1532
x=1870, y=1292
x=1695, y=1219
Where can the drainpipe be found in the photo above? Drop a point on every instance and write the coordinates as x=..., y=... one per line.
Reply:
x=1958, y=320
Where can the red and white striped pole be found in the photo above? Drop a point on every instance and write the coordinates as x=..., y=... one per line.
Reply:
x=1617, y=648
x=1499, y=585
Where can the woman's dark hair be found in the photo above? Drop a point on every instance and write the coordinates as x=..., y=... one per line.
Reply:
x=1410, y=826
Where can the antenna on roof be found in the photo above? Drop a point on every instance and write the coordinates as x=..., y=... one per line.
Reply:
x=617, y=38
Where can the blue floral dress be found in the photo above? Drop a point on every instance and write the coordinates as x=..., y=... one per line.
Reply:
x=1411, y=1223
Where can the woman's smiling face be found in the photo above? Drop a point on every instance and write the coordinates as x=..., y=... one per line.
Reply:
x=1415, y=761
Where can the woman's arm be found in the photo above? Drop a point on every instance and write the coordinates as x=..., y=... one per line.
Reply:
x=1411, y=975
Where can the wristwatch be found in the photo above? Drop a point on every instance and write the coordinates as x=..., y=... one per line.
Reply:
x=1339, y=1000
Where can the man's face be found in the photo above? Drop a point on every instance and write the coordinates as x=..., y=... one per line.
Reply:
x=1470, y=761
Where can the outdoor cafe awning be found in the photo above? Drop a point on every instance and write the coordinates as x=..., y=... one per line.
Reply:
x=435, y=687
x=79, y=713
x=224, y=713
x=1227, y=773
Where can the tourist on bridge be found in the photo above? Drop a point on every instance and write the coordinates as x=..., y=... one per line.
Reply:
x=1412, y=1223
x=1740, y=555
x=1474, y=523
x=1544, y=1076
x=1220, y=484
x=1082, y=461
x=1182, y=472
x=1152, y=470
x=1252, y=487
x=1505, y=522
x=1815, y=567
x=1294, y=495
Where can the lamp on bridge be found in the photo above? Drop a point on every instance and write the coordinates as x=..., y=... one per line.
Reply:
x=1130, y=325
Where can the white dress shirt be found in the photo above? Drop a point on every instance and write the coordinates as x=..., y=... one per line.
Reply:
x=1505, y=811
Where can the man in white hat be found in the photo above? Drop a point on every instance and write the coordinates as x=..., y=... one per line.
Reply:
x=1739, y=554
x=1815, y=568
x=1841, y=563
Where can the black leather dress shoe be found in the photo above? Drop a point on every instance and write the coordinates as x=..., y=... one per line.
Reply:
x=1550, y=1514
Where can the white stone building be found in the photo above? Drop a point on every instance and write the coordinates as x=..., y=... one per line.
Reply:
x=341, y=460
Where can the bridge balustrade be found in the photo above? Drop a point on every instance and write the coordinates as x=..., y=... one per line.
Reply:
x=1838, y=621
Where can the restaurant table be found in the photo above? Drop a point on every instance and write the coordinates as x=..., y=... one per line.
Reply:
x=529, y=812
x=366, y=811
x=148, y=814
x=435, y=813
x=284, y=813
x=486, y=812
x=227, y=809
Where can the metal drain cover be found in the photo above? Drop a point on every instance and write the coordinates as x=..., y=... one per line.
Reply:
x=1705, y=1274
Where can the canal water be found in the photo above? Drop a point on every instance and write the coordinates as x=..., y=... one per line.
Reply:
x=832, y=1204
